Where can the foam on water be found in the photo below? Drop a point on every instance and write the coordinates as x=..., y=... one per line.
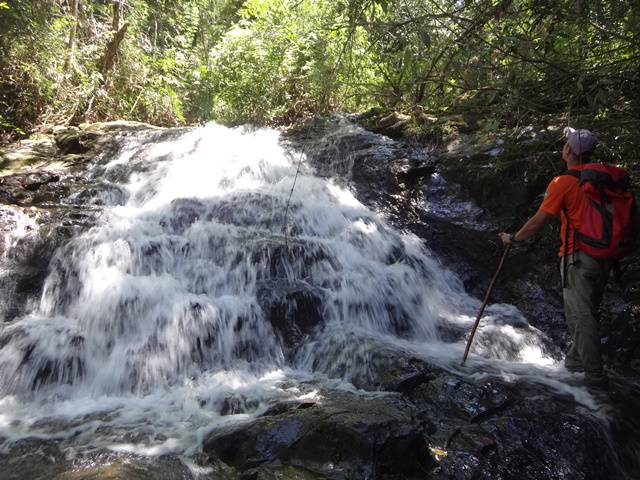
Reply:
x=18, y=226
x=150, y=321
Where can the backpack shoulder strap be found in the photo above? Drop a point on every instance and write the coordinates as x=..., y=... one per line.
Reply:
x=574, y=173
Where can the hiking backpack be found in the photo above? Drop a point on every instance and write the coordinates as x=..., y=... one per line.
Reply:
x=608, y=221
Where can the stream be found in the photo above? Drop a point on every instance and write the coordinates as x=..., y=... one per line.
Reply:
x=208, y=290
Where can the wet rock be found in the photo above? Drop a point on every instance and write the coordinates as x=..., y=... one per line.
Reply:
x=53, y=370
x=289, y=260
x=101, y=194
x=126, y=126
x=234, y=404
x=27, y=154
x=32, y=458
x=73, y=140
x=34, y=181
x=281, y=473
x=391, y=125
x=112, y=467
x=385, y=175
x=293, y=309
x=416, y=126
x=36, y=191
x=37, y=459
x=390, y=370
x=336, y=147
x=367, y=363
x=412, y=175
x=454, y=398
x=494, y=430
x=344, y=436
x=32, y=237
x=184, y=212
x=520, y=447
x=282, y=407
x=450, y=428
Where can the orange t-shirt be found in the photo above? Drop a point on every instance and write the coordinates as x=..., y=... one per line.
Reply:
x=564, y=194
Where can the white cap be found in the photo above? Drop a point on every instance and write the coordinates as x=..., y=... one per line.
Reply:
x=581, y=140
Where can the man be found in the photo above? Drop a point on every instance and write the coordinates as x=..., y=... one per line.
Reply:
x=583, y=277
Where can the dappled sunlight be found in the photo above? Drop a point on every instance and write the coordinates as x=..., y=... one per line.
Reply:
x=159, y=315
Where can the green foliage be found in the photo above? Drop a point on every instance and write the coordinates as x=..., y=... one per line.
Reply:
x=285, y=59
x=266, y=61
x=44, y=80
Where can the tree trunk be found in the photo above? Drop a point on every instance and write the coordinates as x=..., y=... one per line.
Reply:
x=155, y=35
x=110, y=55
x=71, y=45
x=115, y=19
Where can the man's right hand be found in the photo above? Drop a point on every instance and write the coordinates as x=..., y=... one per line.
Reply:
x=505, y=238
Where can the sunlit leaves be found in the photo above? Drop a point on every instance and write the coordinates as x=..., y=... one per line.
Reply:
x=305, y=56
x=277, y=60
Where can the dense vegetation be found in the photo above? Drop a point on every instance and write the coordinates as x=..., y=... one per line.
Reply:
x=273, y=61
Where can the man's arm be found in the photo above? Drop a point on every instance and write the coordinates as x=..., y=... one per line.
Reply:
x=533, y=226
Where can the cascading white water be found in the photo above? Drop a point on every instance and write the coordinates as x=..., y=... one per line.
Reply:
x=156, y=314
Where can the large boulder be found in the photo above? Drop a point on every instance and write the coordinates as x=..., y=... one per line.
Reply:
x=491, y=429
x=437, y=425
x=343, y=435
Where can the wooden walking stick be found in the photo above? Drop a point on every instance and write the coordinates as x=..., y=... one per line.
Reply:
x=484, y=303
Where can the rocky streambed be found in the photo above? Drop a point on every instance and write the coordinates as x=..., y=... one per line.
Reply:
x=345, y=378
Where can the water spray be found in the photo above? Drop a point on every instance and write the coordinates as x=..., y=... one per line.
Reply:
x=485, y=301
x=286, y=212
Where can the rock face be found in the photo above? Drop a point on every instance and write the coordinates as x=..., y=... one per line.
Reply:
x=294, y=310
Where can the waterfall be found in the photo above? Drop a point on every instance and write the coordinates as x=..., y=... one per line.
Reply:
x=191, y=288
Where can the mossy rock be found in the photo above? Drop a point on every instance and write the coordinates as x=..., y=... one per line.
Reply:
x=167, y=468
x=72, y=140
x=282, y=473
x=505, y=178
x=115, y=126
x=27, y=154
x=415, y=127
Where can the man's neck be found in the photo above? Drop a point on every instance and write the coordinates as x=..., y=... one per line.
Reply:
x=573, y=164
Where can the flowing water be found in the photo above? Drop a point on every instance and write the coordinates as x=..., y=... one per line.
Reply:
x=152, y=320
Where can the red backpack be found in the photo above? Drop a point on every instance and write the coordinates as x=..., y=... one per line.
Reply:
x=608, y=225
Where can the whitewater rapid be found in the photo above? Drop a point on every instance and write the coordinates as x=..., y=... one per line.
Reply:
x=152, y=320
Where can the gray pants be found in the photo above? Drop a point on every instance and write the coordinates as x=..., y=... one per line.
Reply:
x=584, y=286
